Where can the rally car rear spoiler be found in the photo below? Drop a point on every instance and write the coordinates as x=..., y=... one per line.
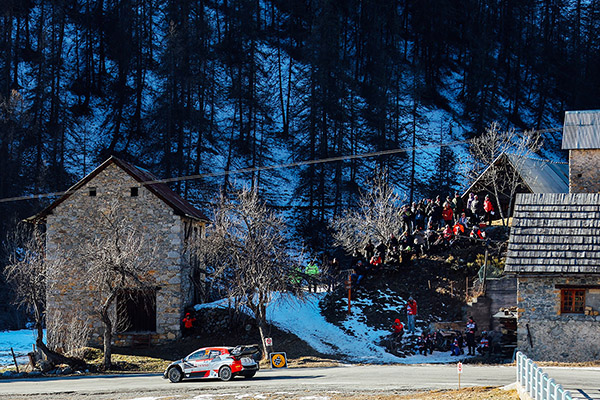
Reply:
x=245, y=350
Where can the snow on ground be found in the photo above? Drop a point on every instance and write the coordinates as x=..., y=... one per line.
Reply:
x=356, y=342
x=304, y=319
x=21, y=342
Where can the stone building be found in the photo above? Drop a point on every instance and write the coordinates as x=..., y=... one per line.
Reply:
x=554, y=250
x=159, y=215
x=581, y=137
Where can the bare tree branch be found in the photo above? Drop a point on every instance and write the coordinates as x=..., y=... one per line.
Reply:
x=376, y=217
x=245, y=248
x=116, y=258
x=500, y=179
x=27, y=272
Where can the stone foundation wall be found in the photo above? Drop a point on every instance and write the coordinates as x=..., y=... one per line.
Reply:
x=543, y=333
x=66, y=227
x=584, y=171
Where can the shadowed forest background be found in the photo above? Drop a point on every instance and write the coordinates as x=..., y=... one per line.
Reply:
x=194, y=87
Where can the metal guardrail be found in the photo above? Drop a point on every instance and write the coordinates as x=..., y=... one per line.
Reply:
x=535, y=382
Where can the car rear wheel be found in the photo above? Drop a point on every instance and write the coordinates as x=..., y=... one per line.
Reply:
x=225, y=373
x=249, y=375
x=175, y=375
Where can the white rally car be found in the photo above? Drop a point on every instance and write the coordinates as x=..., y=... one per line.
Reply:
x=216, y=362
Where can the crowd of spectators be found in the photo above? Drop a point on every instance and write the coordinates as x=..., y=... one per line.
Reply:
x=426, y=226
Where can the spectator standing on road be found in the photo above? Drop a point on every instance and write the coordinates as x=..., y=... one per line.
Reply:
x=470, y=331
x=411, y=314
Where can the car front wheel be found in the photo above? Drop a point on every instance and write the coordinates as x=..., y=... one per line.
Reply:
x=175, y=375
x=225, y=373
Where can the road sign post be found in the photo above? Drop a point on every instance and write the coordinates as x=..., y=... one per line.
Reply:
x=349, y=287
x=459, y=369
x=269, y=345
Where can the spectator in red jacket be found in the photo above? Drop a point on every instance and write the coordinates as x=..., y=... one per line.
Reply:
x=188, y=324
x=398, y=328
x=411, y=314
x=488, y=207
x=448, y=214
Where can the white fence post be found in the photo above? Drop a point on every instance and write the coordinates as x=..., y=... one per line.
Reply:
x=536, y=382
x=529, y=376
x=517, y=360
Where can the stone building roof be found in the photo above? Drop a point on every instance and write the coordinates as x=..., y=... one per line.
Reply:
x=161, y=190
x=555, y=233
x=581, y=130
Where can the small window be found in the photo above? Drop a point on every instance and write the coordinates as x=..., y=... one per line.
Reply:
x=92, y=192
x=134, y=191
x=572, y=301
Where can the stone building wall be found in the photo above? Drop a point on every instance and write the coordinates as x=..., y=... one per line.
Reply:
x=553, y=336
x=584, y=171
x=69, y=294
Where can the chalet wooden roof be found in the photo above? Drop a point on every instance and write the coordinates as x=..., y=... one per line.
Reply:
x=179, y=205
x=555, y=233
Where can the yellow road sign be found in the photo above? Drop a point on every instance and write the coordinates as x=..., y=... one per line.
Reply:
x=278, y=360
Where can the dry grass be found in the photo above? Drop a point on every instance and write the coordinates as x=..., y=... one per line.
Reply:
x=476, y=393
x=128, y=363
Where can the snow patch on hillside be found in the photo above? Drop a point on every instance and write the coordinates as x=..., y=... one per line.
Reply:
x=356, y=342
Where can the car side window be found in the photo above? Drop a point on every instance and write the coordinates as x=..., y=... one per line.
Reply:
x=214, y=353
x=199, y=355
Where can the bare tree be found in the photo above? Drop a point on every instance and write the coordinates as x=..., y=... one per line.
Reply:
x=117, y=259
x=500, y=179
x=376, y=217
x=245, y=247
x=69, y=331
x=27, y=272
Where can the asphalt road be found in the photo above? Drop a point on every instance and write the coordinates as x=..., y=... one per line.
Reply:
x=352, y=379
x=584, y=383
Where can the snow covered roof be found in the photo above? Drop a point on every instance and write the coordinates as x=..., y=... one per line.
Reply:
x=581, y=130
x=148, y=180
